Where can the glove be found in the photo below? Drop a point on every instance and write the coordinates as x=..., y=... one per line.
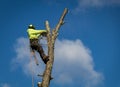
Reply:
x=44, y=34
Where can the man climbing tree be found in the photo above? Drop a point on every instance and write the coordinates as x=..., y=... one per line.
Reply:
x=51, y=37
x=34, y=35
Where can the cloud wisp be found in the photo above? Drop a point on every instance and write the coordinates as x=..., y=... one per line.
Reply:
x=86, y=4
x=5, y=85
x=73, y=63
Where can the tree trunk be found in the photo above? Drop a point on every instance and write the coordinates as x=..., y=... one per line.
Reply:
x=51, y=37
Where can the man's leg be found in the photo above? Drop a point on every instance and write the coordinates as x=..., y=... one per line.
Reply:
x=42, y=54
x=35, y=45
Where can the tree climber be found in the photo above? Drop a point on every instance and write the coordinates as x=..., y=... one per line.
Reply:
x=34, y=35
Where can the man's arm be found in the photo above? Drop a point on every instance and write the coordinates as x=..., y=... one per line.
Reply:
x=37, y=31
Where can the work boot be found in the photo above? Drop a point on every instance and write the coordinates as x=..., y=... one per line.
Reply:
x=46, y=59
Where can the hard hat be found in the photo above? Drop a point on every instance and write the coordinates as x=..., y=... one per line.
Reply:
x=31, y=26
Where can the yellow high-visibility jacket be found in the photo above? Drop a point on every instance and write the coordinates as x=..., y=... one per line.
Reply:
x=35, y=34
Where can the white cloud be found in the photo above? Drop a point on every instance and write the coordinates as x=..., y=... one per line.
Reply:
x=64, y=78
x=98, y=3
x=73, y=63
x=5, y=85
x=86, y=4
x=24, y=58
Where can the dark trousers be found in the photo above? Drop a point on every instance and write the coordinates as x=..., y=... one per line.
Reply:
x=34, y=44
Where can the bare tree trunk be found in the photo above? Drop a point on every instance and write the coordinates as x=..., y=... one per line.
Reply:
x=51, y=37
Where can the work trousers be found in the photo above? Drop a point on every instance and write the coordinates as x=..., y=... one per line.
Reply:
x=34, y=44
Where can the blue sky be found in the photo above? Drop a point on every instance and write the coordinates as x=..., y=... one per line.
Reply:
x=88, y=41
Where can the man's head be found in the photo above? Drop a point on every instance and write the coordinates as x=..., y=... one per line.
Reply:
x=31, y=26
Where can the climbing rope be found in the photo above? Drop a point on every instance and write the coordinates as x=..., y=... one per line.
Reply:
x=31, y=65
x=32, y=70
x=35, y=58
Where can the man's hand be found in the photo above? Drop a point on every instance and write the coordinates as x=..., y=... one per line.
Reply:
x=44, y=34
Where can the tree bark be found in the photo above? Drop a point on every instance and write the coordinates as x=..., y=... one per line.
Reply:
x=51, y=37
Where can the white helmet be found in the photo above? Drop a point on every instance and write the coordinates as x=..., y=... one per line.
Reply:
x=31, y=26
